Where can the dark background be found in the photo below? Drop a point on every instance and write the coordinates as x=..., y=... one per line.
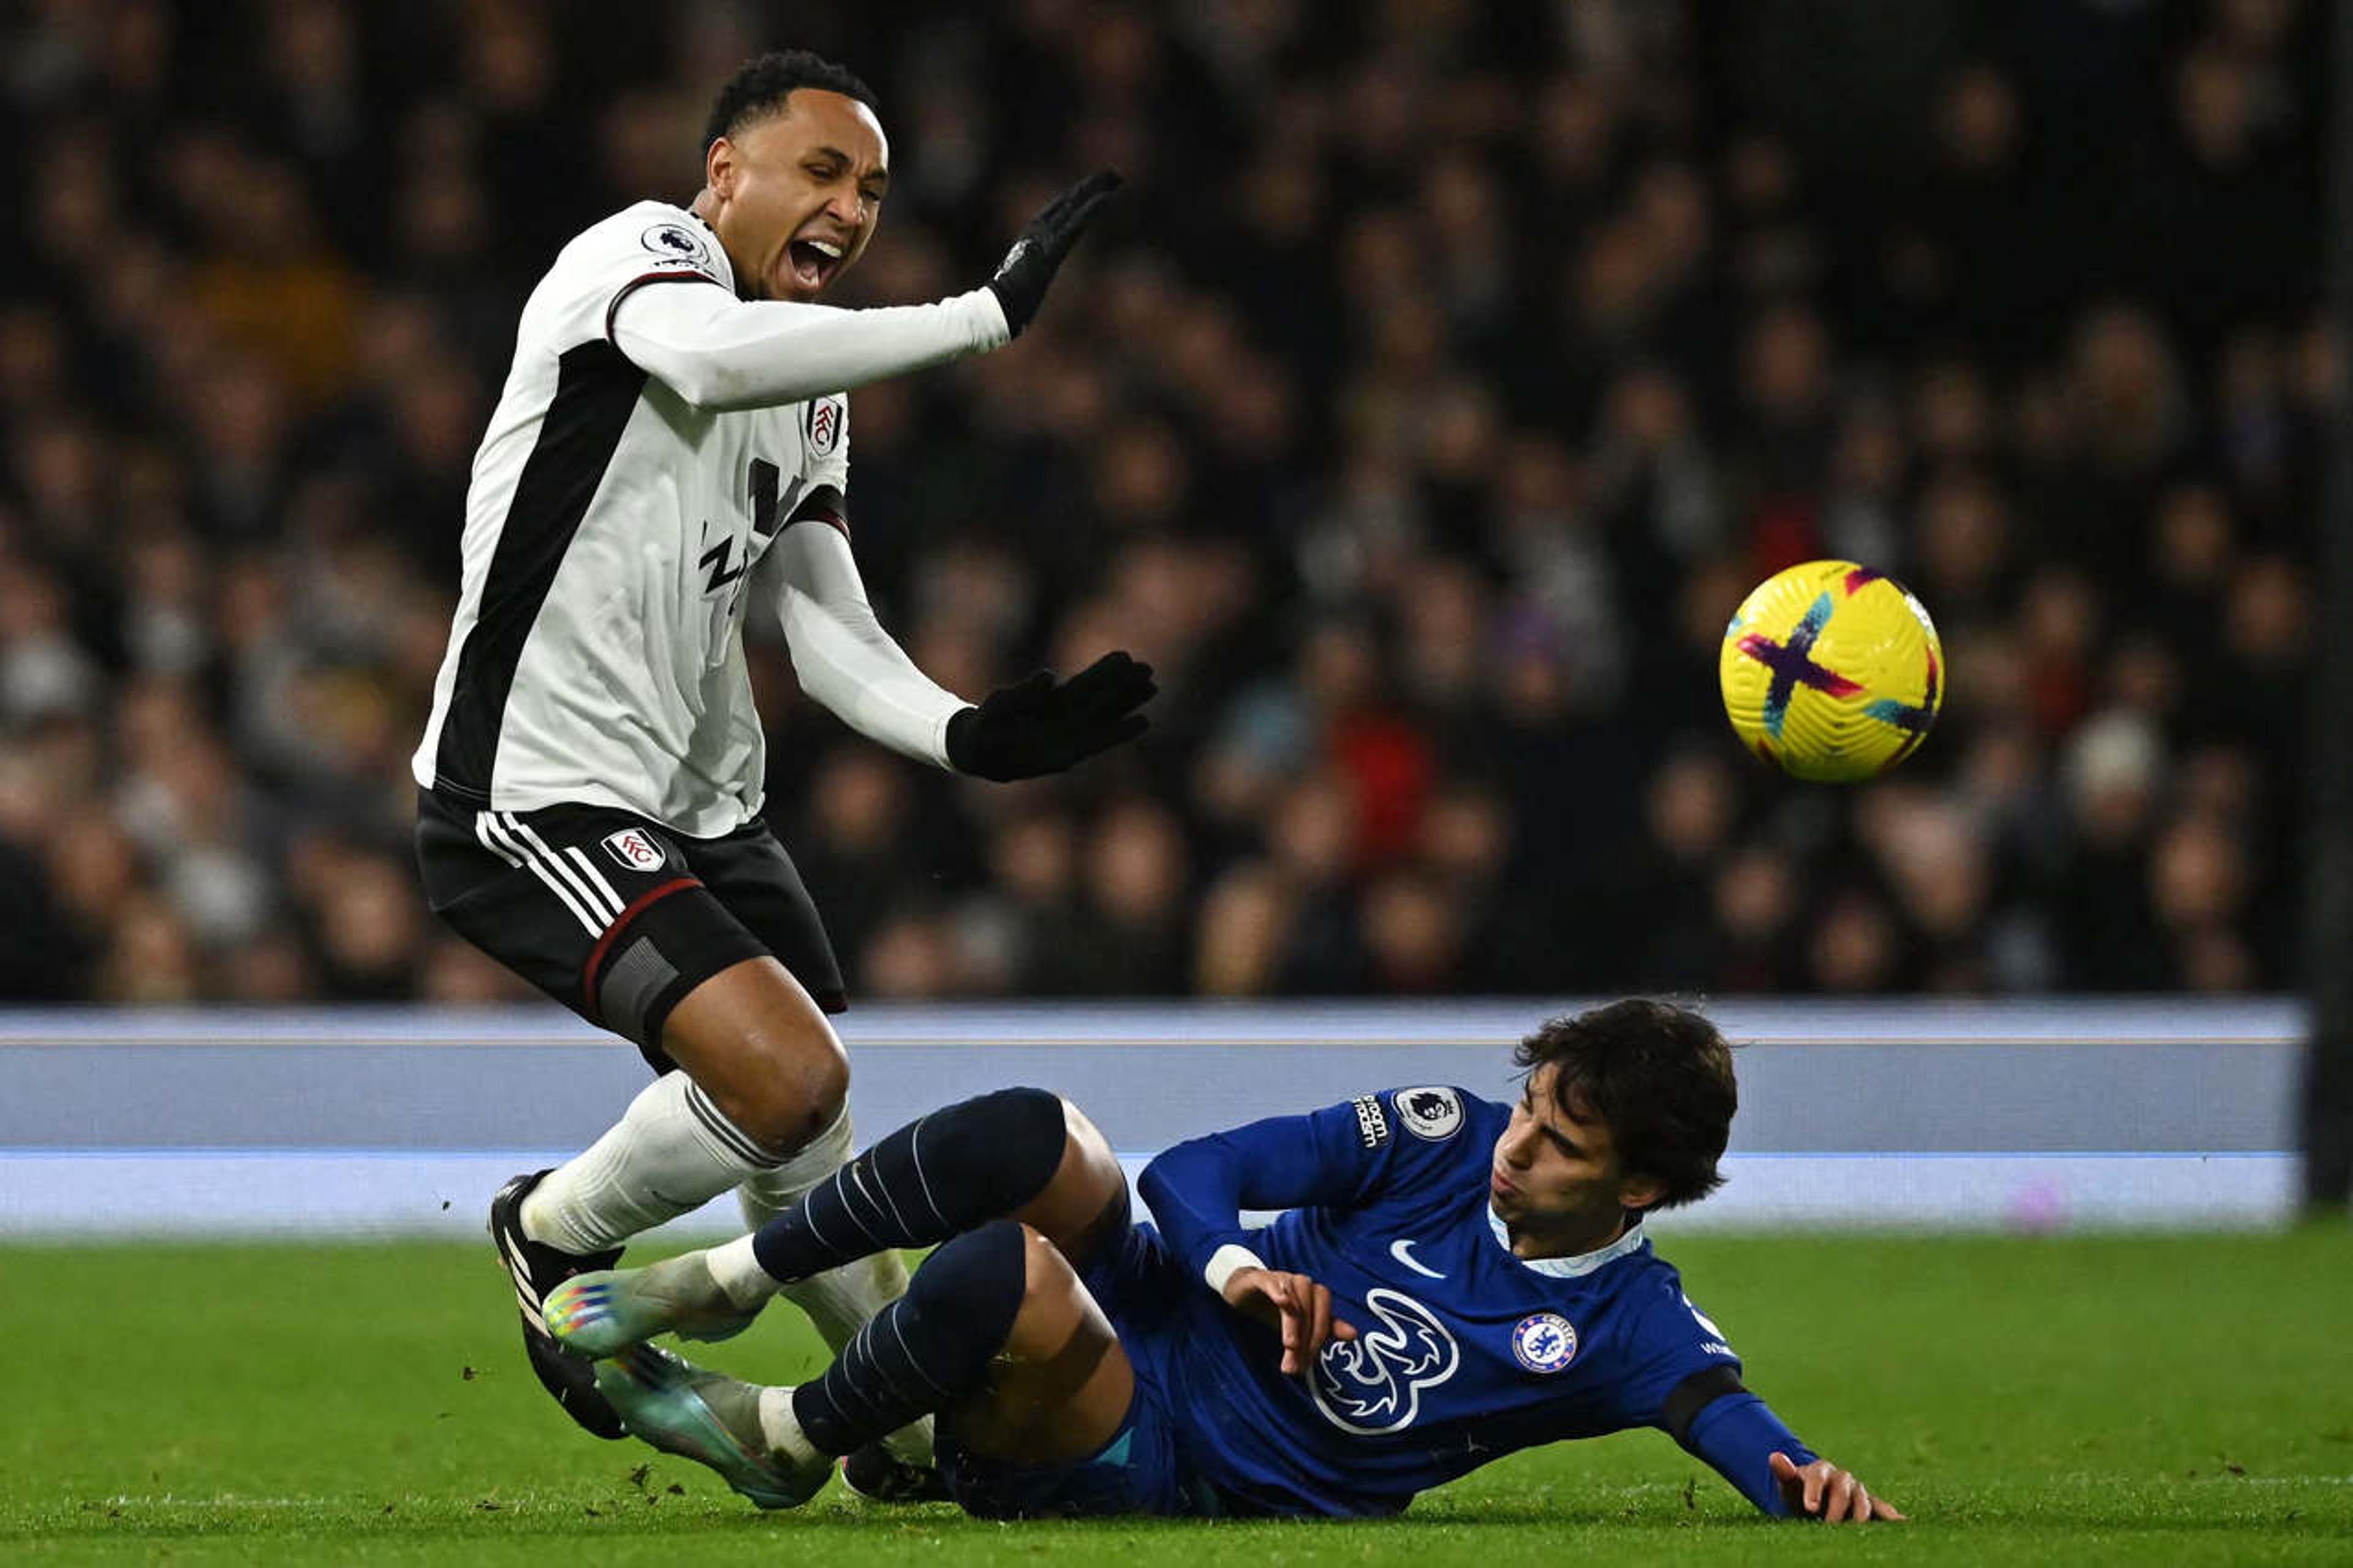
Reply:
x=1441, y=380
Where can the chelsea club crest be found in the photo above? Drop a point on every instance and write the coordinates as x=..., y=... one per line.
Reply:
x=1544, y=1342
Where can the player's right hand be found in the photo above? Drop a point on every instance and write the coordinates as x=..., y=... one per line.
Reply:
x=1296, y=1306
x=1021, y=277
x=1821, y=1490
x=1039, y=725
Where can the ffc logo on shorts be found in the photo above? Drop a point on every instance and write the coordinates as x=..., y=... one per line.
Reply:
x=634, y=848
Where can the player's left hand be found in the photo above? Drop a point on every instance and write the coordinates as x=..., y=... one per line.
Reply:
x=1821, y=1490
x=1021, y=277
x=1298, y=1308
x=1040, y=726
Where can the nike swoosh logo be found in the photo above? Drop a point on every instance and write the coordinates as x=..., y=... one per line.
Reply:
x=1398, y=1251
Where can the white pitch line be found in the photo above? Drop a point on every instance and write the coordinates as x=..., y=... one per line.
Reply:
x=167, y=1500
x=407, y=1500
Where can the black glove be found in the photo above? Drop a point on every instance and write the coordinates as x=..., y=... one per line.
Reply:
x=1035, y=726
x=1021, y=277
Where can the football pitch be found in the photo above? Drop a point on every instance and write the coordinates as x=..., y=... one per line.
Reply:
x=2067, y=1400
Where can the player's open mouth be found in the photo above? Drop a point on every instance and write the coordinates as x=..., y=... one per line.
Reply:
x=812, y=261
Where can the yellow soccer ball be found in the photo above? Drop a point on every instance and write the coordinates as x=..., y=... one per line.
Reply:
x=1832, y=672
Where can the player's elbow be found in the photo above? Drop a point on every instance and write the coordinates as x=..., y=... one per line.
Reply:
x=1158, y=1181
x=711, y=385
x=699, y=377
x=1150, y=1180
x=821, y=680
x=727, y=389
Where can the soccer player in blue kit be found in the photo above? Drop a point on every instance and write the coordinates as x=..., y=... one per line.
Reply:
x=1452, y=1280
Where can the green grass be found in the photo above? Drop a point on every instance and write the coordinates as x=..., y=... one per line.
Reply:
x=2085, y=1400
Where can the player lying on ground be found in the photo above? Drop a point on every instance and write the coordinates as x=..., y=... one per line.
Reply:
x=1454, y=1279
x=671, y=442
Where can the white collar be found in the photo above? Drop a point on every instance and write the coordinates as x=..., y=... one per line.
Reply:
x=1578, y=1265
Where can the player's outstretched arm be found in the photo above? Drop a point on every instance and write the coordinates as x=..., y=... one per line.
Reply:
x=721, y=353
x=845, y=660
x=1821, y=1490
x=1712, y=1415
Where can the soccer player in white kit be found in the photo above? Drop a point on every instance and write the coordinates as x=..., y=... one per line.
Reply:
x=673, y=438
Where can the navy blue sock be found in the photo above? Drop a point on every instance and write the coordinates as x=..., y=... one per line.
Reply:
x=927, y=1349
x=945, y=1172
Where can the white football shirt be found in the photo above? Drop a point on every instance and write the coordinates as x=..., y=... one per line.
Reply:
x=612, y=527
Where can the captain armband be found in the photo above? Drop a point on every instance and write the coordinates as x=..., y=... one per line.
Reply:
x=1693, y=1395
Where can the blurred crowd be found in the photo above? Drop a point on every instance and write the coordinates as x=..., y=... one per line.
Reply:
x=1445, y=374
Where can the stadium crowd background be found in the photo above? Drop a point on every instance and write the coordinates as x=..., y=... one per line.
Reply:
x=1440, y=383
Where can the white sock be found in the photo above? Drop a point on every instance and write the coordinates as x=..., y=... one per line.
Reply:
x=839, y=1301
x=671, y=1153
x=737, y=1270
x=766, y=1194
x=782, y=1428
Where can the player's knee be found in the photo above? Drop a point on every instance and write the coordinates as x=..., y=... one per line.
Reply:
x=782, y=1092
x=1015, y=1135
x=799, y=1095
x=1045, y=1272
x=821, y=1086
x=1047, y=1279
x=763, y=1053
x=1087, y=1158
x=980, y=1279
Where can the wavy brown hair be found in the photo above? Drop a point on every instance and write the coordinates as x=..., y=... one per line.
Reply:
x=1659, y=1076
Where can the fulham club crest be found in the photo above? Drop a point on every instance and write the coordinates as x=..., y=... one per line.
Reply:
x=825, y=426
x=635, y=849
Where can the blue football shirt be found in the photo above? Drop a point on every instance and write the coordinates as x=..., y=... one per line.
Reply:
x=1465, y=1352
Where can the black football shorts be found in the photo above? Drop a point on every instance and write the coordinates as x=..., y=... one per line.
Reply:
x=614, y=916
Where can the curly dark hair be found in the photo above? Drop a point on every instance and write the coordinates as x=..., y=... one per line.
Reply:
x=761, y=85
x=1659, y=1076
